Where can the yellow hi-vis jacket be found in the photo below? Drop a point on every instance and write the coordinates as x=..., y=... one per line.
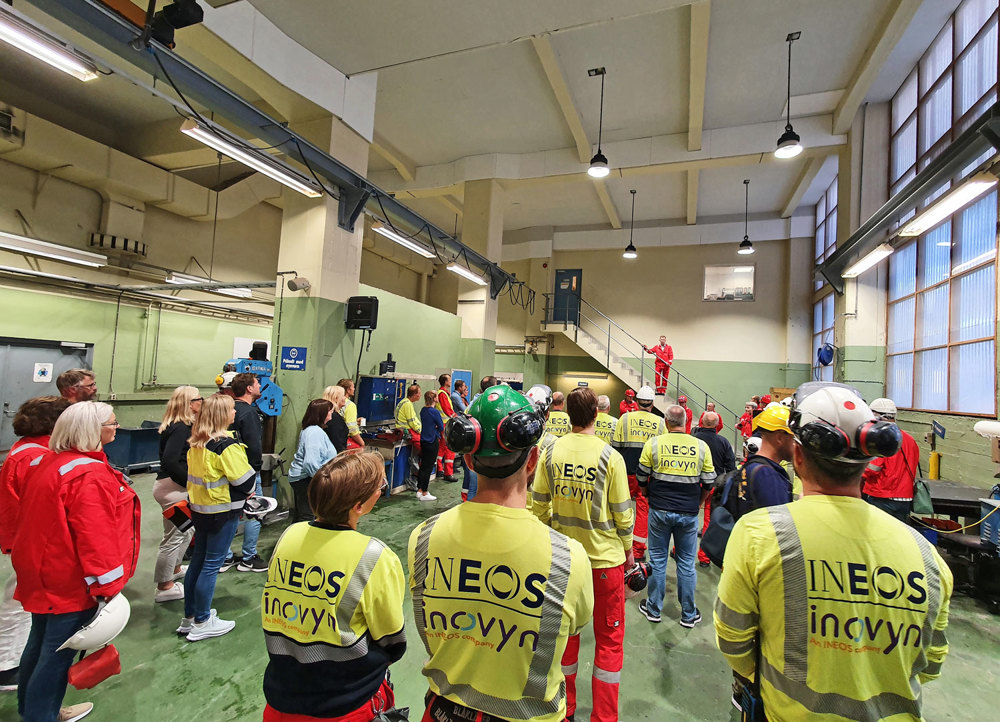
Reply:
x=605, y=426
x=558, y=423
x=632, y=431
x=851, y=606
x=332, y=612
x=406, y=416
x=219, y=476
x=581, y=489
x=543, y=443
x=495, y=597
x=350, y=413
x=673, y=470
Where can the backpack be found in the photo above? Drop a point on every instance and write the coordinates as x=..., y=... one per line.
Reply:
x=725, y=514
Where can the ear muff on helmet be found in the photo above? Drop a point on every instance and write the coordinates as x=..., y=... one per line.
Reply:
x=463, y=434
x=879, y=438
x=824, y=439
x=520, y=430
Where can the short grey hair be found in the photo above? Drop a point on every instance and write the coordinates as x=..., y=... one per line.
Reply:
x=78, y=428
x=676, y=417
x=709, y=420
x=603, y=403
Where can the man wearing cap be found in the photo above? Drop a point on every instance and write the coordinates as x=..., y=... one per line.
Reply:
x=847, y=605
x=763, y=480
x=605, y=421
x=496, y=594
x=664, y=360
x=888, y=482
x=628, y=403
x=632, y=432
x=581, y=489
x=682, y=401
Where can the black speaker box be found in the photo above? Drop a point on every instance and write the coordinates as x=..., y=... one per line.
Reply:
x=362, y=312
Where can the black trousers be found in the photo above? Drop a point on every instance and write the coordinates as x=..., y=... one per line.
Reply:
x=428, y=458
x=301, y=512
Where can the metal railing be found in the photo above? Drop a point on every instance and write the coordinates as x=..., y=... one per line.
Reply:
x=604, y=330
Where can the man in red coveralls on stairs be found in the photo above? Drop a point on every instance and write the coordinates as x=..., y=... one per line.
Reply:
x=664, y=359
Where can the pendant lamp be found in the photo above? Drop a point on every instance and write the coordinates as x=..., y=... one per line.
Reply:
x=788, y=144
x=746, y=247
x=630, y=251
x=599, y=163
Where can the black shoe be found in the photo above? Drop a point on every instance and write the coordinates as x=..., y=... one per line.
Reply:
x=252, y=564
x=8, y=680
x=704, y=565
x=450, y=479
x=230, y=563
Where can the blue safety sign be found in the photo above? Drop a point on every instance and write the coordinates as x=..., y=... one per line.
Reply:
x=938, y=429
x=293, y=358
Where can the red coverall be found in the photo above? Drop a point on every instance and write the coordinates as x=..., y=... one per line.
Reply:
x=690, y=418
x=717, y=428
x=745, y=425
x=625, y=406
x=664, y=359
x=446, y=457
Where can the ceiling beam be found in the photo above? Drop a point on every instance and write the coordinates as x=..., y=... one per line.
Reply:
x=692, y=196
x=406, y=167
x=806, y=176
x=888, y=34
x=547, y=57
x=448, y=202
x=700, y=15
x=609, y=206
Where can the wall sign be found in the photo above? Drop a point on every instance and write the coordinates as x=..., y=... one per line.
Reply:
x=42, y=374
x=293, y=358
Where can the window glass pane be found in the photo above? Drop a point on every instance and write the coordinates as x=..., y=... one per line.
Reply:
x=899, y=379
x=831, y=232
x=972, y=305
x=976, y=70
x=935, y=261
x=945, y=187
x=975, y=236
x=971, y=117
x=817, y=318
x=973, y=388
x=821, y=209
x=826, y=373
x=831, y=196
x=905, y=101
x=937, y=58
x=930, y=387
x=932, y=318
x=828, y=312
x=971, y=16
x=904, y=150
x=902, y=272
x=935, y=115
x=900, y=333
x=820, y=240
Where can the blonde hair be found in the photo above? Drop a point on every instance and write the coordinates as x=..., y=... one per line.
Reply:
x=213, y=420
x=78, y=428
x=334, y=394
x=179, y=407
x=342, y=482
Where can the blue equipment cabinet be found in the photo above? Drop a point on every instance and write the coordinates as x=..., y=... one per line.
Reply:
x=377, y=397
x=271, y=395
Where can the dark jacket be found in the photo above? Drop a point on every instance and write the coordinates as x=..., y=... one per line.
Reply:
x=250, y=431
x=766, y=484
x=723, y=456
x=173, y=453
x=337, y=431
x=431, y=425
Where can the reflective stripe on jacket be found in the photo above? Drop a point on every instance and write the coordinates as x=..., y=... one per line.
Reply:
x=219, y=476
x=406, y=416
x=632, y=432
x=674, y=468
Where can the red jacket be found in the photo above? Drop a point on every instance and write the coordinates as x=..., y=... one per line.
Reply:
x=624, y=407
x=690, y=418
x=664, y=354
x=892, y=477
x=717, y=428
x=745, y=425
x=12, y=473
x=78, y=533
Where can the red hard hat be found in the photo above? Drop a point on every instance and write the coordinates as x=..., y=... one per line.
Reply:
x=682, y=399
x=629, y=393
x=765, y=399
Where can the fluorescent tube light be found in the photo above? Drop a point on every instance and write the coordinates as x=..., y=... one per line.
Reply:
x=742, y=269
x=403, y=241
x=869, y=260
x=218, y=140
x=22, y=244
x=182, y=279
x=466, y=273
x=950, y=202
x=24, y=36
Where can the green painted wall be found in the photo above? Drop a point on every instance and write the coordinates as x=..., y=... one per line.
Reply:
x=862, y=367
x=531, y=365
x=965, y=455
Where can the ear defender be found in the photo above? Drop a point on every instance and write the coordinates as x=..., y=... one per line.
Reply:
x=879, y=438
x=824, y=439
x=520, y=430
x=463, y=434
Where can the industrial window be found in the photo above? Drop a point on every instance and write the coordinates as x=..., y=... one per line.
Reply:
x=822, y=333
x=826, y=226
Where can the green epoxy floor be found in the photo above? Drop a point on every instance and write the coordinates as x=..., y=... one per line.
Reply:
x=669, y=673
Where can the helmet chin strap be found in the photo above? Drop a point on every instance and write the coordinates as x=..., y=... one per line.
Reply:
x=502, y=472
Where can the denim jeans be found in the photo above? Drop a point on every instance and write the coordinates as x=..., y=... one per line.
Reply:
x=470, y=479
x=898, y=509
x=210, y=550
x=42, y=678
x=684, y=529
x=251, y=529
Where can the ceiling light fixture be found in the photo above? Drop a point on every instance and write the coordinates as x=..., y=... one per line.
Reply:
x=32, y=247
x=949, y=203
x=630, y=251
x=746, y=247
x=34, y=41
x=466, y=274
x=402, y=240
x=182, y=279
x=599, y=163
x=869, y=260
x=218, y=140
x=788, y=144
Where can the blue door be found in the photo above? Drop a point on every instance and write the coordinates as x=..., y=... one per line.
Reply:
x=566, y=301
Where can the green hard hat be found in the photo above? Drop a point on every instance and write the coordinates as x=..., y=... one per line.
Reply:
x=500, y=421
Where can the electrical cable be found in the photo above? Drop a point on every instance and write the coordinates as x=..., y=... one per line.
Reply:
x=961, y=528
x=305, y=162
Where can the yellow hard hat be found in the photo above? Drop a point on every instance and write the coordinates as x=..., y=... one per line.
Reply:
x=773, y=418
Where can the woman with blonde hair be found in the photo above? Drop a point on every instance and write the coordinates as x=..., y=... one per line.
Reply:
x=218, y=483
x=77, y=541
x=334, y=671
x=336, y=427
x=170, y=488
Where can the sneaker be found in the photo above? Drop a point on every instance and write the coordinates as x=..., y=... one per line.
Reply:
x=689, y=623
x=654, y=618
x=425, y=496
x=8, y=680
x=182, y=572
x=211, y=627
x=187, y=624
x=230, y=563
x=736, y=703
x=75, y=712
x=252, y=564
x=169, y=595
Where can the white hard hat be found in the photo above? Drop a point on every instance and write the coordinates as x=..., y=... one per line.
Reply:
x=787, y=401
x=752, y=444
x=646, y=393
x=541, y=396
x=257, y=507
x=833, y=422
x=225, y=379
x=884, y=407
x=107, y=624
